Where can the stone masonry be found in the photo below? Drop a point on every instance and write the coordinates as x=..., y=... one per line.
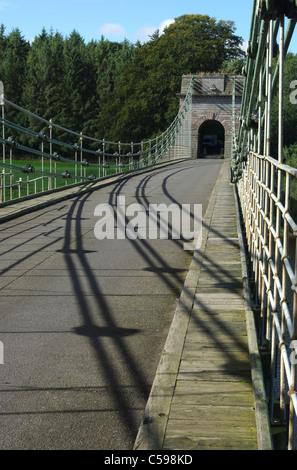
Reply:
x=213, y=101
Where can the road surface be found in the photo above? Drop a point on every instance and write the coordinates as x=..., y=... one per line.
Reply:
x=83, y=321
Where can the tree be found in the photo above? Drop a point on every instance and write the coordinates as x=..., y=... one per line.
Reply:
x=110, y=59
x=234, y=67
x=3, y=41
x=118, y=91
x=43, y=91
x=79, y=82
x=144, y=100
x=289, y=109
x=44, y=70
x=13, y=51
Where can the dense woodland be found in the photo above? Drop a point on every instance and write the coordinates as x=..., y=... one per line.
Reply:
x=117, y=90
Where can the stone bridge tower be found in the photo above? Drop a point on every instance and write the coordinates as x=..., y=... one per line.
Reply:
x=213, y=112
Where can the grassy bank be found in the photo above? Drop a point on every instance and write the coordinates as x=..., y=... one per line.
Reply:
x=29, y=177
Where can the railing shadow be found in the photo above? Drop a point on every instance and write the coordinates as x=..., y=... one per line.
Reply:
x=108, y=327
x=211, y=325
x=89, y=327
x=32, y=226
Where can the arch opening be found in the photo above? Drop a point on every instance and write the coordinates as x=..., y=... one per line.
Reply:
x=211, y=139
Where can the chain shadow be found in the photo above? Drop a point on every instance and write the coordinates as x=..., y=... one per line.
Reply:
x=211, y=325
x=155, y=263
x=95, y=333
x=41, y=249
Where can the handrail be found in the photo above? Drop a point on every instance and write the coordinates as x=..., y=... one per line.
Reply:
x=264, y=185
x=108, y=158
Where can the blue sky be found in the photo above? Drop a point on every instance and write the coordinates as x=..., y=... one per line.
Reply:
x=118, y=19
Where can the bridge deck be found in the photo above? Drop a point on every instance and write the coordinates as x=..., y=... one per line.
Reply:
x=202, y=396
x=206, y=397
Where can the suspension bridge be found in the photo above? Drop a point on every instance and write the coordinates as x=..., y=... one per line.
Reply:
x=134, y=343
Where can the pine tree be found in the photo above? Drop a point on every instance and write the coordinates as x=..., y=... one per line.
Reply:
x=79, y=82
x=13, y=49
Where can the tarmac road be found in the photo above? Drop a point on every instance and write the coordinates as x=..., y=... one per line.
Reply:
x=83, y=321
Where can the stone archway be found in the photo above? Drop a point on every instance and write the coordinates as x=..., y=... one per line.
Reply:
x=211, y=139
x=216, y=97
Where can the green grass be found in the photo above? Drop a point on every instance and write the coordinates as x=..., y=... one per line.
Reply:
x=47, y=182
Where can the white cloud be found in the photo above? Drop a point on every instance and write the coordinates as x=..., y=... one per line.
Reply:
x=109, y=29
x=3, y=5
x=244, y=46
x=164, y=25
x=145, y=32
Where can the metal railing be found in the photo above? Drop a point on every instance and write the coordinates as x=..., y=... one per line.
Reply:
x=265, y=186
x=271, y=239
x=61, y=156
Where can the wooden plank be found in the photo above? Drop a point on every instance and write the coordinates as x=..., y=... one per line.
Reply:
x=228, y=352
x=243, y=416
x=208, y=443
x=215, y=376
x=223, y=393
x=238, y=433
x=219, y=316
x=213, y=403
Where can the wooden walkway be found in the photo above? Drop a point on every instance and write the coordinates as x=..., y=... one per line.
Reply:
x=208, y=402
